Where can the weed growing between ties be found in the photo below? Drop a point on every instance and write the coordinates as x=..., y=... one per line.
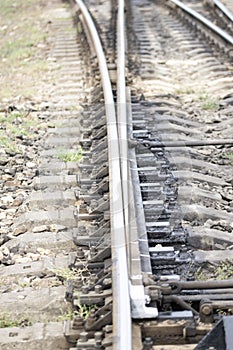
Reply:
x=222, y=271
x=82, y=276
x=230, y=157
x=83, y=312
x=6, y=321
x=208, y=102
x=67, y=274
x=184, y=91
x=71, y=156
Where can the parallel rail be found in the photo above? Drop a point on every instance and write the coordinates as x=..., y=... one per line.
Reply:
x=207, y=23
x=116, y=130
x=224, y=9
x=128, y=299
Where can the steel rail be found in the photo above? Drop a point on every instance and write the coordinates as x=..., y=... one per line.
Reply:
x=123, y=321
x=224, y=9
x=122, y=336
x=121, y=109
x=224, y=35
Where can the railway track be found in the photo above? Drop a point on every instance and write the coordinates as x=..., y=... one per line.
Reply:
x=160, y=207
x=149, y=205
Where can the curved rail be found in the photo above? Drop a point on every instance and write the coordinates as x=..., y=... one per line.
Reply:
x=224, y=35
x=122, y=336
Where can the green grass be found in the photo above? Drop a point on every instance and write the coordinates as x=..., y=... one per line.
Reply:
x=67, y=315
x=6, y=321
x=69, y=274
x=22, y=57
x=200, y=275
x=185, y=91
x=84, y=310
x=20, y=49
x=65, y=273
x=223, y=271
x=208, y=102
x=15, y=125
x=71, y=156
x=8, y=143
x=230, y=157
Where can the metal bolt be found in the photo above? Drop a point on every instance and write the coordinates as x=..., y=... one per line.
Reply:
x=78, y=282
x=92, y=251
x=98, y=336
x=107, y=281
x=80, y=253
x=147, y=344
x=77, y=323
x=84, y=289
x=206, y=310
x=91, y=319
x=83, y=337
x=98, y=289
x=93, y=278
x=94, y=186
x=108, y=329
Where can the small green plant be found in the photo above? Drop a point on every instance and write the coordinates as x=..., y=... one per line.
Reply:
x=79, y=28
x=84, y=310
x=224, y=271
x=67, y=315
x=24, y=284
x=7, y=118
x=14, y=125
x=8, y=143
x=200, y=275
x=7, y=321
x=71, y=156
x=65, y=273
x=221, y=312
x=186, y=91
x=68, y=274
x=18, y=131
x=230, y=157
x=208, y=102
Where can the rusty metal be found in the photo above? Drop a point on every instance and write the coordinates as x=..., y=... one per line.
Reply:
x=177, y=287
